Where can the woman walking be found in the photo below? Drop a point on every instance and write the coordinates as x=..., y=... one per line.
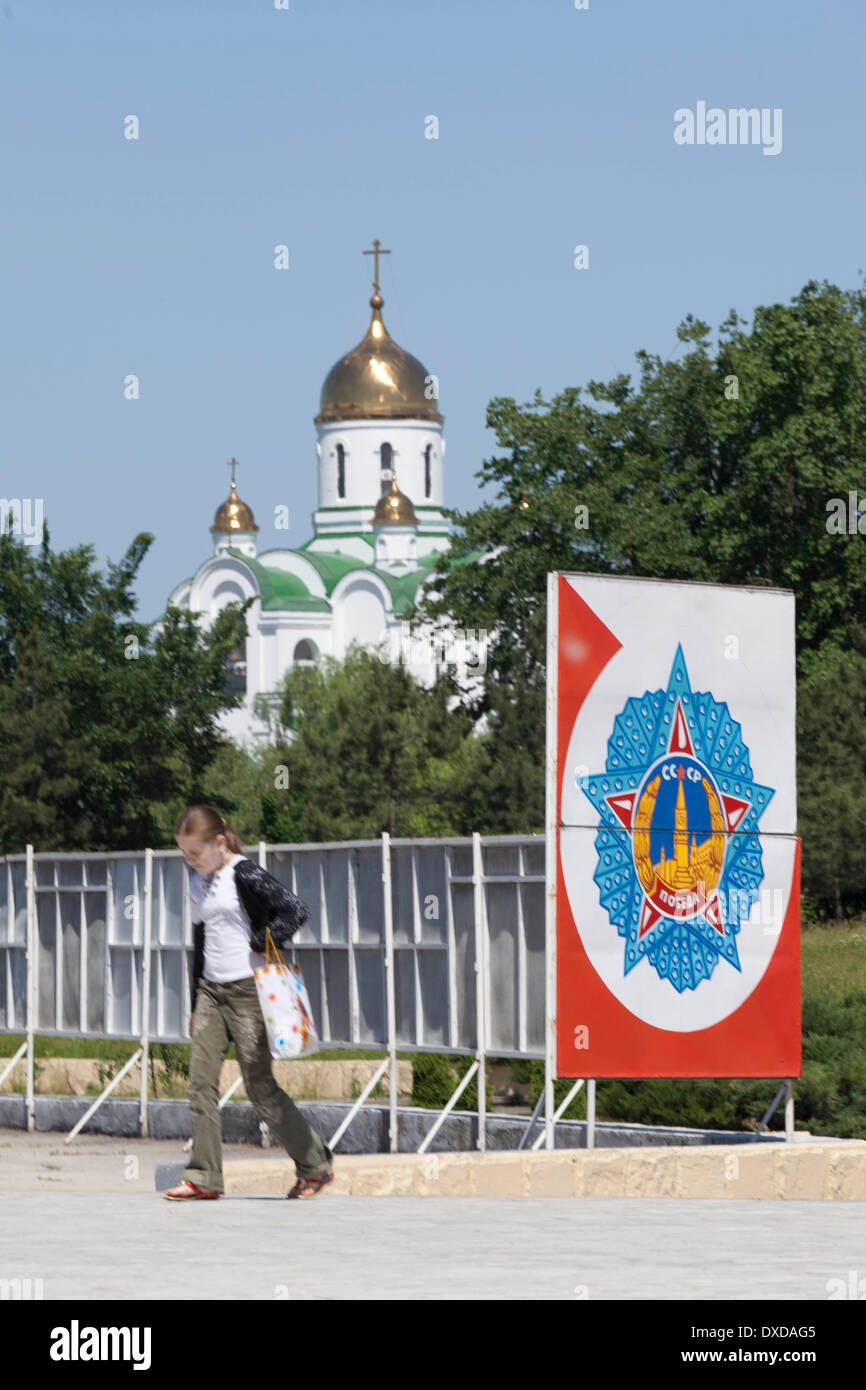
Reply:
x=236, y=900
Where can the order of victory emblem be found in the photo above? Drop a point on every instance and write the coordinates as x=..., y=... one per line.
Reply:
x=679, y=858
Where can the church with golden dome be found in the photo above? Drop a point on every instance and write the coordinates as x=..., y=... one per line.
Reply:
x=378, y=533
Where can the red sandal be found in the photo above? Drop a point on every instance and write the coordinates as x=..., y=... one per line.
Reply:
x=190, y=1192
x=308, y=1187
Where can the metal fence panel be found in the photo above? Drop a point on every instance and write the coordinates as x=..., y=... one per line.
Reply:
x=90, y=909
x=13, y=942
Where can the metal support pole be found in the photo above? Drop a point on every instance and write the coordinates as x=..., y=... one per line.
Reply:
x=532, y=1119
x=265, y=1132
x=374, y=1081
x=393, y=1136
x=109, y=1088
x=789, y=1112
x=590, y=1113
x=17, y=1058
x=443, y=1115
x=30, y=881
x=775, y=1102
x=145, y=992
x=560, y=1110
x=550, y=853
x=481, y=987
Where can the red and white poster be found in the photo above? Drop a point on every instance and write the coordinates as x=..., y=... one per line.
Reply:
x=672, y=804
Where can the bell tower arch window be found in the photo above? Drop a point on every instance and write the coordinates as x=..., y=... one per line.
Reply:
x=341, y=471
x=386, y=454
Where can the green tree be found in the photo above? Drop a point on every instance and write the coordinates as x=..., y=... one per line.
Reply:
x=831, y=720
x=44, y=766
x=717, y=466
x=373, y=750
x=101, y=721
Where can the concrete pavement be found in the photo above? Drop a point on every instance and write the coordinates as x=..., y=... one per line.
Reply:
x=139, y=1246
x=86, y=1220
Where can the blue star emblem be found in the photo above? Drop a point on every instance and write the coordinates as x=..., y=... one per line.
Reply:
x=679, y=856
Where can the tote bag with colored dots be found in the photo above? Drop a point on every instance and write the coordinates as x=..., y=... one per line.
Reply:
x=285, y=1006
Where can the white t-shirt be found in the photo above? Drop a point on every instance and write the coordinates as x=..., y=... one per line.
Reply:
x=227, y=933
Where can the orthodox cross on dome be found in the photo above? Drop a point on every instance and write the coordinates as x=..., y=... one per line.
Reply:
x=377, y=253
x=232, y=464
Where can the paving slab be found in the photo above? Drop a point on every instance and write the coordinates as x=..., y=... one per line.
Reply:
x=137, y=1246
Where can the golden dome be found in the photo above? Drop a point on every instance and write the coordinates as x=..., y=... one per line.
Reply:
x=377, y=380
x=234, y=515
x=394, y=508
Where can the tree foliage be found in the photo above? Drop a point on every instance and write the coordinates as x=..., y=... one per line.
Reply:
x=718, y=466
x=374, y=750
x=101, y=721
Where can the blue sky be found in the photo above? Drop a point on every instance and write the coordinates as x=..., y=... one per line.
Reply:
x=305, y=127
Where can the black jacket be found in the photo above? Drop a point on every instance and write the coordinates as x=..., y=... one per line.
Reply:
x=267, y=903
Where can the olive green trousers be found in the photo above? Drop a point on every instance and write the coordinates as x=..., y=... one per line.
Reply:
x=231, y=1013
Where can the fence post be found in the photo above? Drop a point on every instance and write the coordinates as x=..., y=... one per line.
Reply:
x=393, y=1137
x=145, y=992
x=481, y=983
x=30, y=883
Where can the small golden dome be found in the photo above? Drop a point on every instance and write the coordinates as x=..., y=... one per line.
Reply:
x=234, y=515
x=376, y=380
x=394, y=508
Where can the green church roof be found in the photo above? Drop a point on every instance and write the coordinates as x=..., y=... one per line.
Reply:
x=280, y=589
x=333, y=565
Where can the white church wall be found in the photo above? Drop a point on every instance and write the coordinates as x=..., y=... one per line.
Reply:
x=280, y=634
x=362, y=441
x=244, y=541
x=395, y=545
x=361, y=605
x=227, y=592
x=222, y=580
x=225, y=573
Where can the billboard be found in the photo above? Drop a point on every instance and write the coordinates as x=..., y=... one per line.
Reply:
x=673, y=885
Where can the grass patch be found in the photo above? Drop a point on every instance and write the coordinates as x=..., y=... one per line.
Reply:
x=51, y=1046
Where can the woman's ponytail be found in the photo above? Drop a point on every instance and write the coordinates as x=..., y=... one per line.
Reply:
x=207, y=823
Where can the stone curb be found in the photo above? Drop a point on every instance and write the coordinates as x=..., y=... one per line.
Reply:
x=802, y=1172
